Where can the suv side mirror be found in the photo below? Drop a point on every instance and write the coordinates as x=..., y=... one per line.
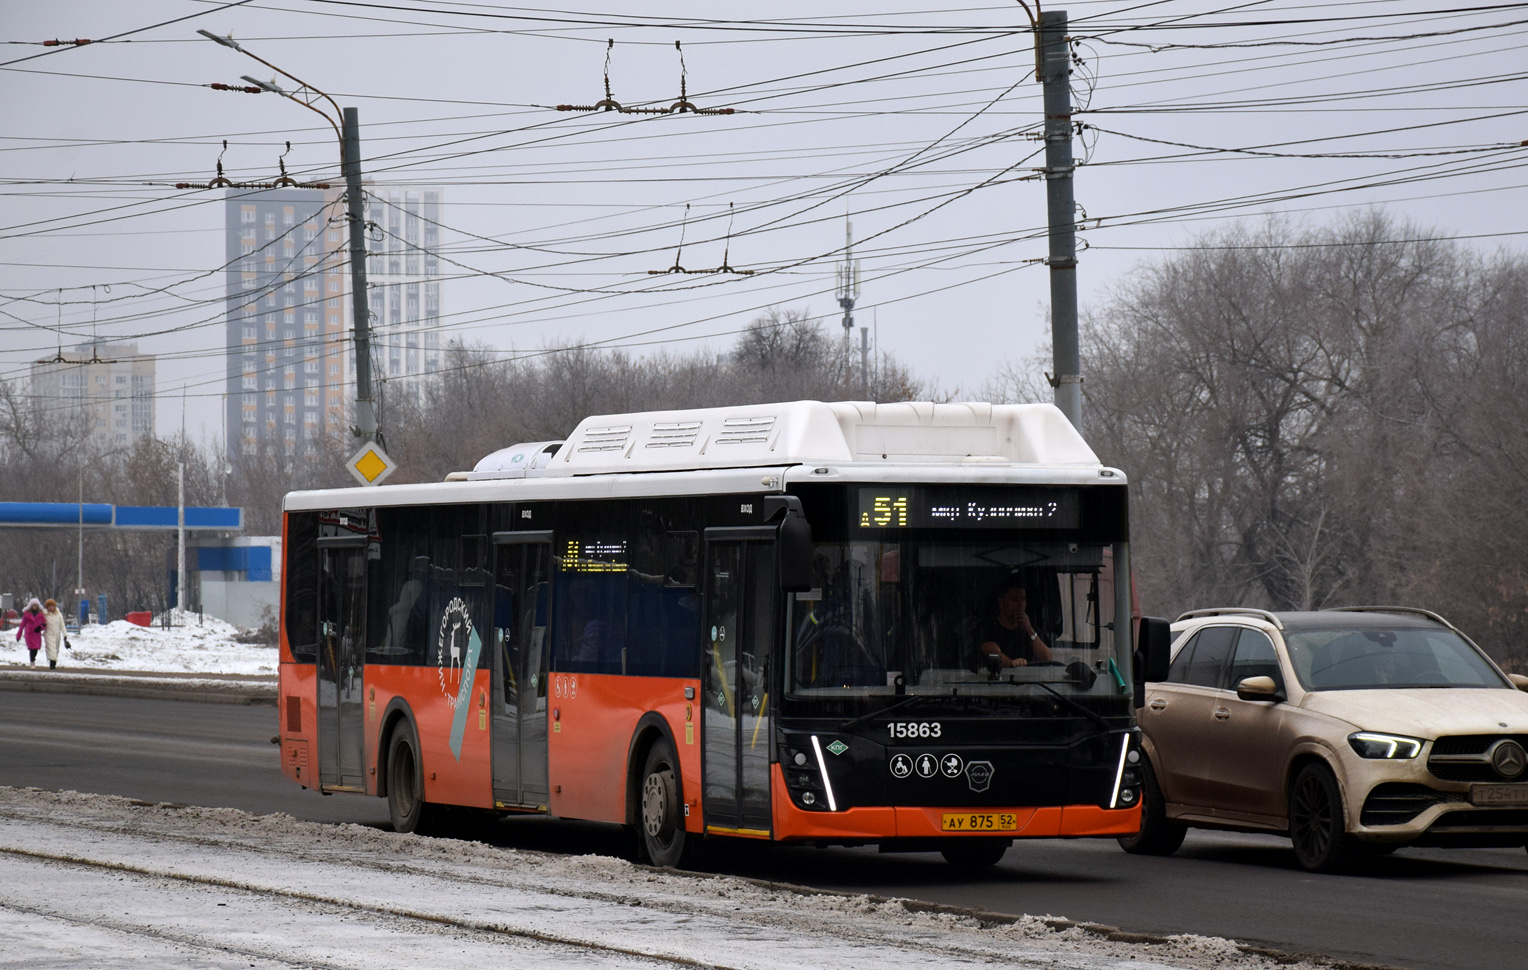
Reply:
x=1153, y=655
x=793, y=553
x=1518, y=681
x=1258, y=689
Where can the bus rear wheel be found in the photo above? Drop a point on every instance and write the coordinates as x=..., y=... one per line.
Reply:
x=663, y=834
x=975, y=853
x=405, y=784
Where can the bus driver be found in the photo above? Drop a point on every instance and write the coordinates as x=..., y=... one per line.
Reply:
x=1009, y=635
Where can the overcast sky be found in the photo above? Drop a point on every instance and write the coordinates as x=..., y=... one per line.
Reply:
x=919, y=121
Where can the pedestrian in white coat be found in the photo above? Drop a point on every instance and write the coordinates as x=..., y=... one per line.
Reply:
x=53, y=632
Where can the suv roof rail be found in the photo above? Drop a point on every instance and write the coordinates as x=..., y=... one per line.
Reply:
x=1233, y=611
x=1389, y=609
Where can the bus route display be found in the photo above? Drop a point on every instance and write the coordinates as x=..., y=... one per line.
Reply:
x=934, y=507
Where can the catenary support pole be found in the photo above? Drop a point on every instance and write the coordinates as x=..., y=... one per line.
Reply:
x=1056, y=73
x=79, y=572
x=365, y=409
x=180, y=555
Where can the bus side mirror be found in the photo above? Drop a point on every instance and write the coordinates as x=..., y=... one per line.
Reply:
x=793, y=553
x=1153, y=655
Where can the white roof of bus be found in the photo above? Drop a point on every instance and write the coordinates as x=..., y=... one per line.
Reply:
x=746, y=447
x=803, y=432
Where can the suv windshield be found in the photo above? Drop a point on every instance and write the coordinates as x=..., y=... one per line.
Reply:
x=1348, y=659
x=911, y=616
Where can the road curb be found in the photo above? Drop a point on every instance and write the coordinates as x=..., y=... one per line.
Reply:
x=203, y=691
x=1113, y=934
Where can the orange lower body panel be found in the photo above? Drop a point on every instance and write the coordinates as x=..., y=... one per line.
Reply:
x=874, y=823
x=594, y=718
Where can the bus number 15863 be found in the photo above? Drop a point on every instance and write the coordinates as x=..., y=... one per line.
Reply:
x=915, y=729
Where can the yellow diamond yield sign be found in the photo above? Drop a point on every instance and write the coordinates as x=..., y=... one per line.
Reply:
x=370, y=465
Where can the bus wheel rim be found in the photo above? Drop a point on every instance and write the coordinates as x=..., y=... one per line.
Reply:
x=655, y=806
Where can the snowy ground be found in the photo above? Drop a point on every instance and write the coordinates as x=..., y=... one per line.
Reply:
x=102, y=882
x=206, y=646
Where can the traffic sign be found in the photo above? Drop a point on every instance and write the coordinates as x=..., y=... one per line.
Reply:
x=370, y=464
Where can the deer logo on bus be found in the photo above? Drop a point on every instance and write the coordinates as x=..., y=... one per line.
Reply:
x=455, y=632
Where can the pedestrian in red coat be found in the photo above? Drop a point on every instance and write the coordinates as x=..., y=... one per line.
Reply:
x=33, y=622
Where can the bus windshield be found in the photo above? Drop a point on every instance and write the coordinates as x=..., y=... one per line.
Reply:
x=921, y=616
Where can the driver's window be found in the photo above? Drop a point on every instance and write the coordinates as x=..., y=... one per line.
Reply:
x=1254, y=657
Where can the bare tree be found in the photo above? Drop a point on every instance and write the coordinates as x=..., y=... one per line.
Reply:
x=1312, y=417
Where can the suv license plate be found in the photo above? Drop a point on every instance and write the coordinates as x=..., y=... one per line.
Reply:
x=1499, y=794
x=979, y=822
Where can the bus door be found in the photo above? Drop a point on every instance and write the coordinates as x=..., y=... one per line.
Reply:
x=521, y=601
x=737, y=636
x=341, y=655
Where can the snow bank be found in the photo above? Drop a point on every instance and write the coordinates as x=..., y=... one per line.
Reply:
x=100, y=879
x=192, y=645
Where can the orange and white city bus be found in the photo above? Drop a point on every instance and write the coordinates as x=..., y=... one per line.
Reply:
x=773, y=622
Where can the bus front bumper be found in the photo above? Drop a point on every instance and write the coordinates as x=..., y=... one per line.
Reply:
x=874, y=823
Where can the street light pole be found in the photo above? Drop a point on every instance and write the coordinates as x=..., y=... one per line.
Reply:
x=350, y=165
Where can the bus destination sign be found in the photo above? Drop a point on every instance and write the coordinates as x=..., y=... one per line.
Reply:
x=935, y=507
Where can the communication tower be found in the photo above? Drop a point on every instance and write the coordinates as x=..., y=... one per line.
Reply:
x=848, y=281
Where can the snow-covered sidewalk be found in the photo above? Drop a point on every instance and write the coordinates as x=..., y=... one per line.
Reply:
x=205, y=646
x=101, y=882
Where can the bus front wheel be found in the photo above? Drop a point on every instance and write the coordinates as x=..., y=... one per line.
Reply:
x=405, y=784
x=663, y=834
x=1159, y=835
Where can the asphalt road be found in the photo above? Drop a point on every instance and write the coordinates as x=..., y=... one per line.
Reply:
x=1422, y=909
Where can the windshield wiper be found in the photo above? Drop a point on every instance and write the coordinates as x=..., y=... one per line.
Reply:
x=887, y=710
x=1090, y=715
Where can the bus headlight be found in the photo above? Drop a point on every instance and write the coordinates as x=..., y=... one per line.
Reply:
x=803, y=780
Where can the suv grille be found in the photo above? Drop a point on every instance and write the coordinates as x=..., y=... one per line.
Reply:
x=1396, y=803
x=1465, y=757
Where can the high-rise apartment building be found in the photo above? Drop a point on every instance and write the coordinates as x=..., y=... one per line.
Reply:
x=287, y=340
x=403, y=273
x=111, y=383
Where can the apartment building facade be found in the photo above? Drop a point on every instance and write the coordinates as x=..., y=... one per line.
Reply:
x=287, y=335
x=108, y=385
x=403, y=272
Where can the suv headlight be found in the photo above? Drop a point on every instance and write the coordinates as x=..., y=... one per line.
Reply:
x=1369, y=744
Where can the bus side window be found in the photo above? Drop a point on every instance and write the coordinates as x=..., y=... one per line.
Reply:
x=301, y=578
x=682, y=553
x=663, y=627
x=401, y=576
x=590, y=605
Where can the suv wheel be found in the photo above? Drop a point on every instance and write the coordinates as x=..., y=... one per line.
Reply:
x=1159, y=835
x=1316, y=822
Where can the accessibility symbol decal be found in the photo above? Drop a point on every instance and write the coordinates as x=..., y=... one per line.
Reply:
x=901, y=766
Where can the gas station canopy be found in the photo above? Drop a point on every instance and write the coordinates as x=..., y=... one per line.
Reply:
x=99, y=515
